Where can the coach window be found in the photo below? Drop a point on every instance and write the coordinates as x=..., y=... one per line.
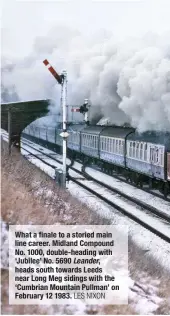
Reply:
x=116, y=146
x=121, y=147
x=101, y=143
x=88, y=140
x=145, y=152
x=109, y=145
x=157, y=155
x=104, y=143
x=134, y=146
x=92, y=141
x=113, y=145
x=137, y=150
x=141, y=151
x=123, y=144
x=119, y=144
x=161, y=156
x=151, y=154
x=130, y=149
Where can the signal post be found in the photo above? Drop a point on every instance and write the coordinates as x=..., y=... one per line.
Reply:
x=62, y=80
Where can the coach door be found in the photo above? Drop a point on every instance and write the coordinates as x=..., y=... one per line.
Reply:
x=152, y=159
x=168, y=166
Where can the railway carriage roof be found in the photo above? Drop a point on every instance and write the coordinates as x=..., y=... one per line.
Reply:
x=110, y=131
x=76, y=127
x=95, y=130
x=162, y=138
x=116, y=131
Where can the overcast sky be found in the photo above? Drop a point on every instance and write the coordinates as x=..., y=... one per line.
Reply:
x=23, y=20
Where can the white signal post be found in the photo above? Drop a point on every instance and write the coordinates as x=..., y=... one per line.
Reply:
x=62, y=79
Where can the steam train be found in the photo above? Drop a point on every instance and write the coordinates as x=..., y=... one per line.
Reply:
x=141, y=157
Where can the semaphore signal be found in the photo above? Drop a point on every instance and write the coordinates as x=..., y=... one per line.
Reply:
x=58, y=77
x=62, y=80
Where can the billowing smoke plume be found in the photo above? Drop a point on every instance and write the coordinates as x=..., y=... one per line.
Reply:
x=127, y=82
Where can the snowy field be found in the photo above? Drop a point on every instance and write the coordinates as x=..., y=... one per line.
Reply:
x=143, y=293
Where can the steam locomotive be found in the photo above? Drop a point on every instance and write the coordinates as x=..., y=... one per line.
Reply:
x=142, y=157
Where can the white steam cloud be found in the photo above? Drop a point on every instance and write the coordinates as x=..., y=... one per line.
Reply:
x=127, y=81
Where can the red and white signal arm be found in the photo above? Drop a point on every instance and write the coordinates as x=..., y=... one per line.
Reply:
x=75, y=110
x=52, y=70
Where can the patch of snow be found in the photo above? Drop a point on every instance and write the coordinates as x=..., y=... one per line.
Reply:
x=143, y=295
x=4, y=245
x=149, y=242
x=130, y=190
x=147, y=218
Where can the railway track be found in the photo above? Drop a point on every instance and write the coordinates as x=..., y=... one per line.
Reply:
x=147, y=190
x=140, y=203
x=123, y=179
x=86, y=182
